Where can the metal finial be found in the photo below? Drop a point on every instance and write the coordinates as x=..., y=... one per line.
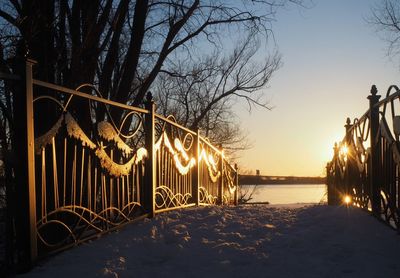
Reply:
x=149, y=96
x=374, y=90
x=348, y=121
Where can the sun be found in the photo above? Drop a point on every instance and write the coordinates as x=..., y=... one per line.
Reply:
x=344, y=150
x=347, y=199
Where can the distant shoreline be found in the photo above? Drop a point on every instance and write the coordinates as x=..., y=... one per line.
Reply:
x=254, y=179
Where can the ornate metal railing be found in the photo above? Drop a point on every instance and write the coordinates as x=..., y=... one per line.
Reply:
x=88, y=179
x=88, y=176
x=365, y=169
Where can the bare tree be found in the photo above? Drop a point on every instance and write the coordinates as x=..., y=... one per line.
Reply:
x=123, y=46
x=247, y=192
x=385, y=17
x=200, y=94
x=128, y=47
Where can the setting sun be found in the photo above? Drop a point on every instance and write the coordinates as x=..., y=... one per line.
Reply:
x=344, y=150
x=347, y=199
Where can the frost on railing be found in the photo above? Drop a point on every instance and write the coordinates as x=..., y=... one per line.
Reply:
x=190, y=170
x=75, y=131
x=88, y=182
x=179, y=154
x=174, y=173
x=230, y=183
x=210, y=172
x=94, y=164
x=109, y=133
x=94, y=173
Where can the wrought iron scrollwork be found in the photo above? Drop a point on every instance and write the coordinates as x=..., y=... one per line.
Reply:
x=371, y=178
x=89, y=182
x=92, y=172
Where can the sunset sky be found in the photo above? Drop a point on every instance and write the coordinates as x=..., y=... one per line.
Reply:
x=331, y=57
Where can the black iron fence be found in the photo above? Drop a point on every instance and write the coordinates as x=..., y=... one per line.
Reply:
x=365, y=169
x=87, y=176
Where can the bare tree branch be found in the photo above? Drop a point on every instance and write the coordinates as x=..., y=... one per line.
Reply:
x=385, y=19
x=8, y=17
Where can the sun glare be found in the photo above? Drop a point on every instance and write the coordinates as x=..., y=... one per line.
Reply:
x=344, y=150
x=347, y=199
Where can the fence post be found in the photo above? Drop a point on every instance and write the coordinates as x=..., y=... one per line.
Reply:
x=237, y=185
x=196, y=175
x=31, y=159
x=375, y=150
x=333, y=181
x=24, y=170
x=348, y=126
x=148, y=200
x=328, y=182
x=348, y=168
x=221, y=180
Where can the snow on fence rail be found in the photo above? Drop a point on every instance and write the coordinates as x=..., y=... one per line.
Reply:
x=90, y=173
x=365, y=168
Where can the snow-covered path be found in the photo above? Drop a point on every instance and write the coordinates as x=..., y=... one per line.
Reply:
x=244, y=241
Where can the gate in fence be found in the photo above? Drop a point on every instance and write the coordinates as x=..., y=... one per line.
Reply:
x=87, y=176
x=365, y=168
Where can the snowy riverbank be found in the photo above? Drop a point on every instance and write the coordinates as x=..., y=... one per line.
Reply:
x=244, y=241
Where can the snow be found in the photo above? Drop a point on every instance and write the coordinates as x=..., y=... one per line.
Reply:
x=116, y=169
x=177, y=154
x=75, y=131
x=243, y=241
x=107, y=131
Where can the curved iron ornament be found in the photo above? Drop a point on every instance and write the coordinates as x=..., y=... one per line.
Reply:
x=166, y=198
x=354, y=169
x=86, y=222
x=103, y=189
x=207, y=198
x=90, y=172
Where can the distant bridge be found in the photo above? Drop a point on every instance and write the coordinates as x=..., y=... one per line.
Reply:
x=258, y=179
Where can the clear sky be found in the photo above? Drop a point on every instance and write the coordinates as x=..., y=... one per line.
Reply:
x=331, y=57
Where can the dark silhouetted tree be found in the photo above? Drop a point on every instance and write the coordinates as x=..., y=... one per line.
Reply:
x=127, y=48
x=123, y=46
x=385, y=17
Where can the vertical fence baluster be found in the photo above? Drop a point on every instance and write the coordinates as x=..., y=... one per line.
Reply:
x=65, y=171
x=31, y=160
x=118, y=193
x=95, y=190
x=375, y=150
x=150, y=164
x=236, y=200
x=196, y=168
x=24, y=148
x=89, y=184
x=111, y=179
x=337, y=179
x=82, y=177
x=349, y=167
x=55, y=174
x=43, y=204
x=221, y=180
x=73, y=190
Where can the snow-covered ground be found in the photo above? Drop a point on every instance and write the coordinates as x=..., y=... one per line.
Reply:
x=244, y=241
